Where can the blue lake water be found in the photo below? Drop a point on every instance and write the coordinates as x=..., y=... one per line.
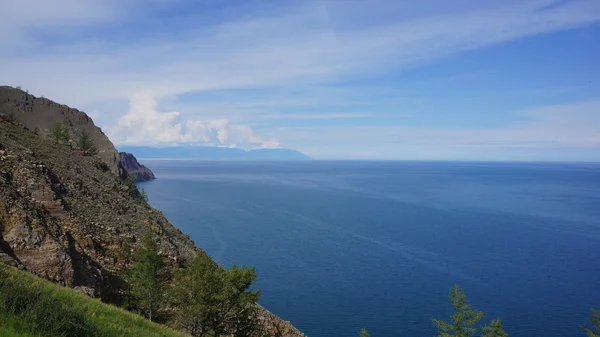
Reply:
x=343, y=245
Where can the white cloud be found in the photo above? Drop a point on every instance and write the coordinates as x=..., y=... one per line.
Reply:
x=143, y=124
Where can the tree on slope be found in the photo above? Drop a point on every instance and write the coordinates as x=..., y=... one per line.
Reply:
x=146, y=273
x=595, y=320
x=85, y=143
x=213, y=301
x=60, y=132
x=494, y=329
x=464, y=318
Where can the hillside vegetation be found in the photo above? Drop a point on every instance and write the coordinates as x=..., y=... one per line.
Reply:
x=30, y=306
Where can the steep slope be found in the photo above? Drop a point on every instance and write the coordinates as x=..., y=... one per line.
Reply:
x=43, y=114
x=64, y=312
x=133, y=169
x=66, y=216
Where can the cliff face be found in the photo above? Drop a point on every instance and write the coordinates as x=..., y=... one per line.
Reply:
x=134, y=170
x=43, y=114
x=66, y=217
x=69, y=217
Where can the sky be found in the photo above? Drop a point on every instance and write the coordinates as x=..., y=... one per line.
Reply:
x=335, y=79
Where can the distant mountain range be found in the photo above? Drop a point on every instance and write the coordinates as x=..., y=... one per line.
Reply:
x=213, y=153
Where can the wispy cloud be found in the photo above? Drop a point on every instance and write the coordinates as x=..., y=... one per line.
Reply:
x=318, y=116
x=84, y=53
x=552, y=127
x=298, y=44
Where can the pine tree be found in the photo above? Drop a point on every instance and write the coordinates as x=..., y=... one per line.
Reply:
x=85, y=142
x=214, y=301
x=145, y=274
x=364, y=333
x=494, y=329
x=60, y=132
x=595, y=320
x=462, y=319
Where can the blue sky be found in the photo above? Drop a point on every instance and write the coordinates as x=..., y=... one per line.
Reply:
x=339, y=79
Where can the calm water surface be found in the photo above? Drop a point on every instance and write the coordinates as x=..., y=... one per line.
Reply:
x=344, y=245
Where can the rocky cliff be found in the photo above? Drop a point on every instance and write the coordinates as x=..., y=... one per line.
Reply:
x=67, y=215
x=38, y=113
x=134, y=170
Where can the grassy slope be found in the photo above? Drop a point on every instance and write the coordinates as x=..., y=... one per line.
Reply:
x=107, y=319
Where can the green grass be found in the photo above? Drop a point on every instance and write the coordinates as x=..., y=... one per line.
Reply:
x=11, y=326
x=32, y=307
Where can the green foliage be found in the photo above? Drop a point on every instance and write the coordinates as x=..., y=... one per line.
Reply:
x=595, y=320
x=211, y=300
x=9, y=112
x=12, y=116
x=364, y=333
x=139, y=195
x=31, y=306
x=143, y=195
x=462, y=319
x=26, y=301
x=146, y=273
x=60, y=132
x=36, y=131
x=86, y=143
x=494, y=329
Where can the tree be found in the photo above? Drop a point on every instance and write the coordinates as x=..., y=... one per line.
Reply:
x=494, y=329
x=12, y=116
x=364, y=333
x=146, y=273
x=462, y=319
x=211, y=300
x=60, y=132
x=86, y=143
x=595, y=320
x=9, y=112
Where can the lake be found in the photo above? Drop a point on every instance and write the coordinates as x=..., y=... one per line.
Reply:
x=341, y=245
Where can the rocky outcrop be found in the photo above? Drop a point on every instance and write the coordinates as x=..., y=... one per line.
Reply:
x=38, y=113
x=130, y=168
x=66, y=215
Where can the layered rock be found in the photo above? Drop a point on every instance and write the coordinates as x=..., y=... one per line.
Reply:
x=132, y=169
x=42, y=114
x=68, y=216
